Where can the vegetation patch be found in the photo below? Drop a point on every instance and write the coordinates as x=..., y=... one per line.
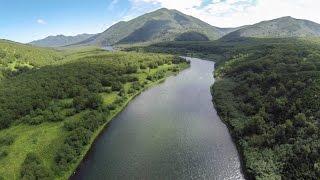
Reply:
x=50, y=115
x=270, y=100
x=192, y=36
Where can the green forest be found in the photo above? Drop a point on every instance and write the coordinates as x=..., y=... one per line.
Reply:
x=54, y=103
x=267, y=92
x=271, y=102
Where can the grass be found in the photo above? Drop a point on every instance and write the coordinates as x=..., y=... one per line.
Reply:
x=11, y=52
x=40, y=139
x=109, y=98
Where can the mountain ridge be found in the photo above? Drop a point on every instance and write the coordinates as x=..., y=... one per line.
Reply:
x=157, y=26
x=168, y=24
x=283, y=27
x=60, y=40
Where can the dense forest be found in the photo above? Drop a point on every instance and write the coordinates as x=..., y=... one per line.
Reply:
x=271, y=102
x=219, y=50
x=50, y=113
x=267, y=92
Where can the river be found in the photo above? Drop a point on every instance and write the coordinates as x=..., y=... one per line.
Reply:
x=170, y=131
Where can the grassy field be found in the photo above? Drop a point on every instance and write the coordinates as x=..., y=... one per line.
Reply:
x=91, y=70
x=40, y=139
x=15, y=52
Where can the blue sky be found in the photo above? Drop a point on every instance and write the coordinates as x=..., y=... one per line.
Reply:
x=27, y=20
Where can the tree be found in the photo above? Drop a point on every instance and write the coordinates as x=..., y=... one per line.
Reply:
x=33, y=168
x=94, y=101
x=79, y=102
x=300, y=119
x=116, y=86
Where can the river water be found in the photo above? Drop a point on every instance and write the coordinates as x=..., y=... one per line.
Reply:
x=170, y=131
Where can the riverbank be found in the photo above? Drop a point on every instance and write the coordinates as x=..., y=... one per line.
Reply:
x=231, y=131
x=112, y=116
x=170, y=132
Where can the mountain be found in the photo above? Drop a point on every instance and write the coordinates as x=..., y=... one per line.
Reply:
x=160, y=25
x=60, y=40
x=192, y=36
x=278, y=28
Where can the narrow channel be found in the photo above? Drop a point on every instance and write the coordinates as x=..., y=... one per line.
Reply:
x=170, y=131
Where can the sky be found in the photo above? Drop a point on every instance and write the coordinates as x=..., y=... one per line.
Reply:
x=27, y=20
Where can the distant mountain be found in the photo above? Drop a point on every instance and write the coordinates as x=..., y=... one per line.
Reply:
x=60, y=40
x=278, y=28
x=157, y=26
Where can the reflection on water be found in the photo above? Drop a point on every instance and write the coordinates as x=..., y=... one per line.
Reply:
x=170, y=131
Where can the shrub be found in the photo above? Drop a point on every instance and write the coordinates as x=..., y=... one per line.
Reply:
x=7, y=140
x=2, y=54
x=64, y=156
x=3, y=153
x=136, y=86
x=33, y=168
x=92, y=101
x=79, y=103
x=116, y=86
x=70, y=112
x=131, y=69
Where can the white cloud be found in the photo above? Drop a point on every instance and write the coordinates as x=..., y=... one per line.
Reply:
x=112, y=4
x=231, y=13
x=174, y=4
x=41, y=21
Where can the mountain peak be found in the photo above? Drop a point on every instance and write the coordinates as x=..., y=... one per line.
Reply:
x=284, y=27
x=163, y=9
x=167, y=10
x=157, y=26
x=286, y=17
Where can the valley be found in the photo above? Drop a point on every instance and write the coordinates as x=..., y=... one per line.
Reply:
x=134, y=101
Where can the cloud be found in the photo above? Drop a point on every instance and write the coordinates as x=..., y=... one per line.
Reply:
x=174, y=4
x=112, y=4
x=231, y=13
x=41, y=21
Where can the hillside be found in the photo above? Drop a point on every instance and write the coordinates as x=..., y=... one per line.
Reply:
x=218, y=50
x=278, y=28
x=60, y=40
x=157, y=26
x=192, y=36
x=16, y=57
x=270, y=100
